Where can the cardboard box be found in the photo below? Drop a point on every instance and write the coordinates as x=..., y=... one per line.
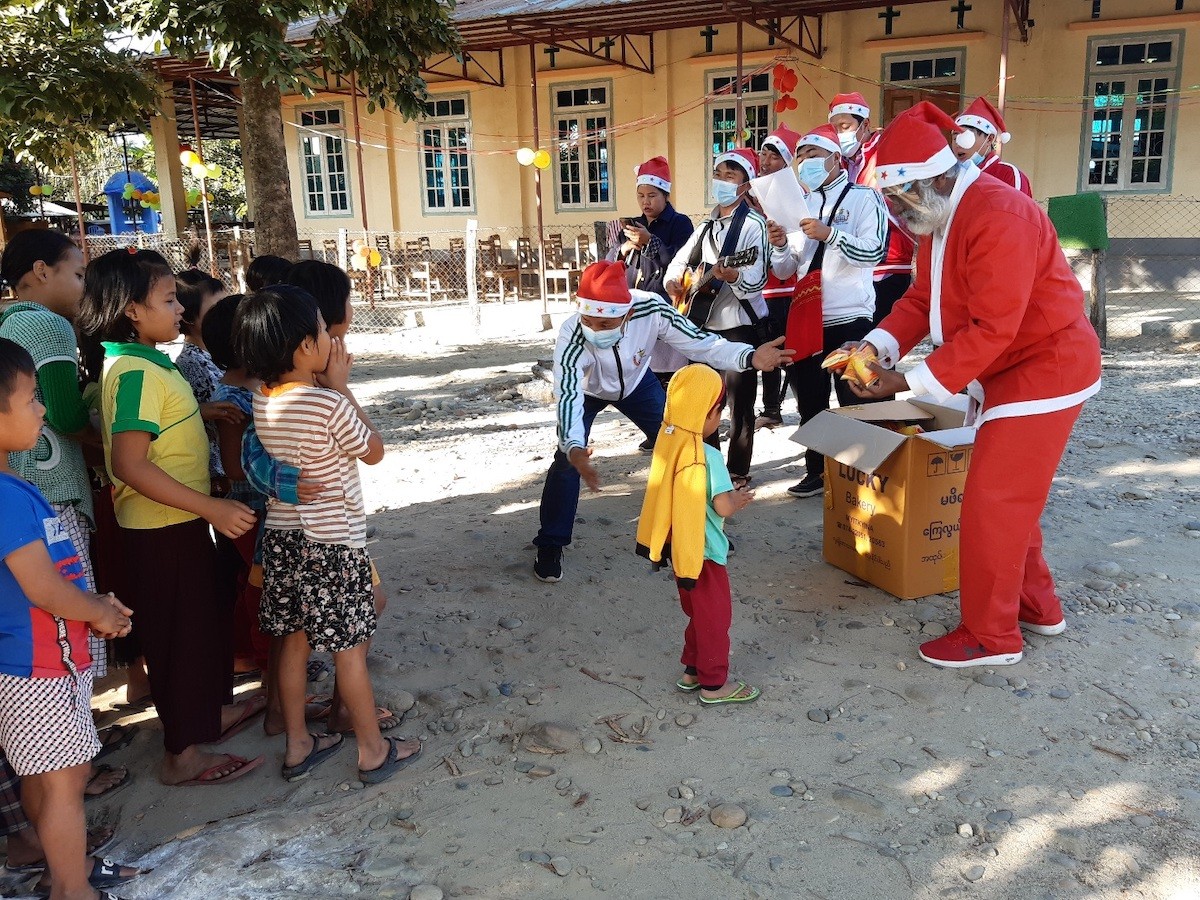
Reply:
x=892, y=501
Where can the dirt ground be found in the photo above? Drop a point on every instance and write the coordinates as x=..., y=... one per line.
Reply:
x=863, y=772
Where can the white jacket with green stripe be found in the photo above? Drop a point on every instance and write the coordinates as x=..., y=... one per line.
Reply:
x=855, y=247
x=581, y=368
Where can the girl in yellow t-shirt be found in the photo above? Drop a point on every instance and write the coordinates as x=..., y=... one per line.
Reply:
x=156, y=454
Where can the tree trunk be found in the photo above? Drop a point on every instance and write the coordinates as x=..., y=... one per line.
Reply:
x=264, y=155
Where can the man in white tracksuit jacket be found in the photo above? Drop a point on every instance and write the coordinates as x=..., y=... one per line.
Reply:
x=602, y=358
x=850, y=222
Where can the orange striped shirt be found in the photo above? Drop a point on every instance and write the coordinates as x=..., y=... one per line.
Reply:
x=319, y=431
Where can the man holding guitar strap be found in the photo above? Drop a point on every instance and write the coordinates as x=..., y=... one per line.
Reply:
x=738, y=310
x=845, y=238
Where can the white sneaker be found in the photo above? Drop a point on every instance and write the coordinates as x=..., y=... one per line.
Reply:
x=1048, y=630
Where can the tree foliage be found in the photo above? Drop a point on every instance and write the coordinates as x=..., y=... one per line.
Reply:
x=382, y=43
x=60, y=82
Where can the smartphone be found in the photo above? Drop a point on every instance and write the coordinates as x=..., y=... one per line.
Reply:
x=627, y=223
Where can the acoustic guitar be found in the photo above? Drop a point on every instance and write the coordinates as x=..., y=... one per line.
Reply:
x=698, y=293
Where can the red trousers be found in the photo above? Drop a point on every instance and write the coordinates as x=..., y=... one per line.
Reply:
x=248, y=640
x=709, y=608
x=1003, y=576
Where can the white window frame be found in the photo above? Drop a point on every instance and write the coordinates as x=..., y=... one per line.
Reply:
x=1130, y=74
x=727, y=103
x=444, y=125
x=323, y=188
x=579, y=115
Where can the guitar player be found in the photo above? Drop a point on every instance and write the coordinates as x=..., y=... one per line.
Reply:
x=739, y=306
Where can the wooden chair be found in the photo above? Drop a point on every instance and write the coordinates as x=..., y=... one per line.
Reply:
x=492, y=267
x=419, y=280
x=558, y=270
x=387, y=264
x=527, y=266
x=306, y=248
x=329, y=251
x=585, y=253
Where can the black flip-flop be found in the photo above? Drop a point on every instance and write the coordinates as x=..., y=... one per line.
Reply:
x=315, y=757
x=318, y=670
x=107, y=874
x=102, y=843
x=125, y=735
x=104, y=769
x=391, y=764
x=135, y=706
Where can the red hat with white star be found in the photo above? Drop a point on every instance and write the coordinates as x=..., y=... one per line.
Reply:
x=656, y=173
x=783, y=141
x=982, y=116
x=742, y=156
x=913, y=146
x=823, y=136
x=853, y=103
x=604, y=290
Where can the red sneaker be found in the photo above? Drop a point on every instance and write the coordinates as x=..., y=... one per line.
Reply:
x=1047, y=628
x=960, y=649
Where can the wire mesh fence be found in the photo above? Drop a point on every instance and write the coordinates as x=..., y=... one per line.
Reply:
x=1151, y=270
x=1148, y=279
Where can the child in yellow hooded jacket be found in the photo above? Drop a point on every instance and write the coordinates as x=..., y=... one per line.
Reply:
x=687, y=499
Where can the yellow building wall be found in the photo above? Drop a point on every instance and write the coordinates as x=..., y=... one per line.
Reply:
x=1046, y=111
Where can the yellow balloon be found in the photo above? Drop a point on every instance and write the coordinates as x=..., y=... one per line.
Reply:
x=374, y=259
x=525, y=156
x=189, y=158
x=35, y=190
x=209, y=197
x=541, y=159
x=214, y=171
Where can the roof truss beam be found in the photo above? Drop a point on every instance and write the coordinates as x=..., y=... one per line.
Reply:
x=484, y=67
x=634, y=51
x=805, y=33
x=1020, y=11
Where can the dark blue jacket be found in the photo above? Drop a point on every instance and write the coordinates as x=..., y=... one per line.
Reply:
x=668, y=233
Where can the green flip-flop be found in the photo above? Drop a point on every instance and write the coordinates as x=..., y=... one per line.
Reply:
x=687, y=686
x=736, y=697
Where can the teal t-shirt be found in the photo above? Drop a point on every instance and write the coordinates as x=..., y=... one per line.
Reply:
x=716, y=545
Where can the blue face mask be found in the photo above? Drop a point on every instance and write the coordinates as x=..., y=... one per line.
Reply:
x=724, y=192
x=601, y=340
x=978, y=159
x=813, y=173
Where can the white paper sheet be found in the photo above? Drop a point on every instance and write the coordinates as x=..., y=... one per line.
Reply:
x=782, y=199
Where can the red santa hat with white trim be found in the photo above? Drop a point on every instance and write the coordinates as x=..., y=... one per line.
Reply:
x=656, y=173
x=913, y=146
x=853, y=103
x=741, y=156
x=604, y=291
x=982, y=116
x=783, y=141
x=823, y=136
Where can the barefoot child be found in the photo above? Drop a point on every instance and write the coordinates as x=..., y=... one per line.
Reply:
x=687, y=499
x=157, y=457
x=46, y=725
x=316, y=572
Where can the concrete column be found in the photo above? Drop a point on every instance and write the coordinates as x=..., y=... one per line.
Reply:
x=241, y=120
x=165, y=133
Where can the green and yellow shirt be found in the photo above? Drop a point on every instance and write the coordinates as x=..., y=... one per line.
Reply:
x=141, y=390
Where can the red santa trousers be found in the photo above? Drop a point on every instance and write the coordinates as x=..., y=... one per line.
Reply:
x=1003, y=576
x=709, y=608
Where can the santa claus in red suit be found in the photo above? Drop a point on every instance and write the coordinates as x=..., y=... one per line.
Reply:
x=982, y=133
x=1006, y=317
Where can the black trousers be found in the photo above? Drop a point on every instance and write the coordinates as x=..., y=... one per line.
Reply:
x=887, y=292
x=741, y=389
x=772, y=382
x=811, y=383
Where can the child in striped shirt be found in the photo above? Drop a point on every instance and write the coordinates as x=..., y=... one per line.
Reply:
x=316, y=572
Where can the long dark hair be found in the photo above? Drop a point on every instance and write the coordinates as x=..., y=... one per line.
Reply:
x=110, y=284
x=29, y=247
x=270, y=325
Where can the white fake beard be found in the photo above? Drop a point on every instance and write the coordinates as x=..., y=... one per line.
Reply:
x=931, y=215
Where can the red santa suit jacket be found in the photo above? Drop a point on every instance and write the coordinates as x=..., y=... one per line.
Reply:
x=1008, y=173
x=1002, y=307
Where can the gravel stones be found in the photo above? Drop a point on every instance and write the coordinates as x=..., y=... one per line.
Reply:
x=683, y=720
x=592, y=745
x=858, y=801
x=426, y=892
x=1060, y=693
x=509, y=623
x=782, y=790
x=561, y=866
x=991, y=679
x=820, y=716
x=728, y=815
x=974, y=873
